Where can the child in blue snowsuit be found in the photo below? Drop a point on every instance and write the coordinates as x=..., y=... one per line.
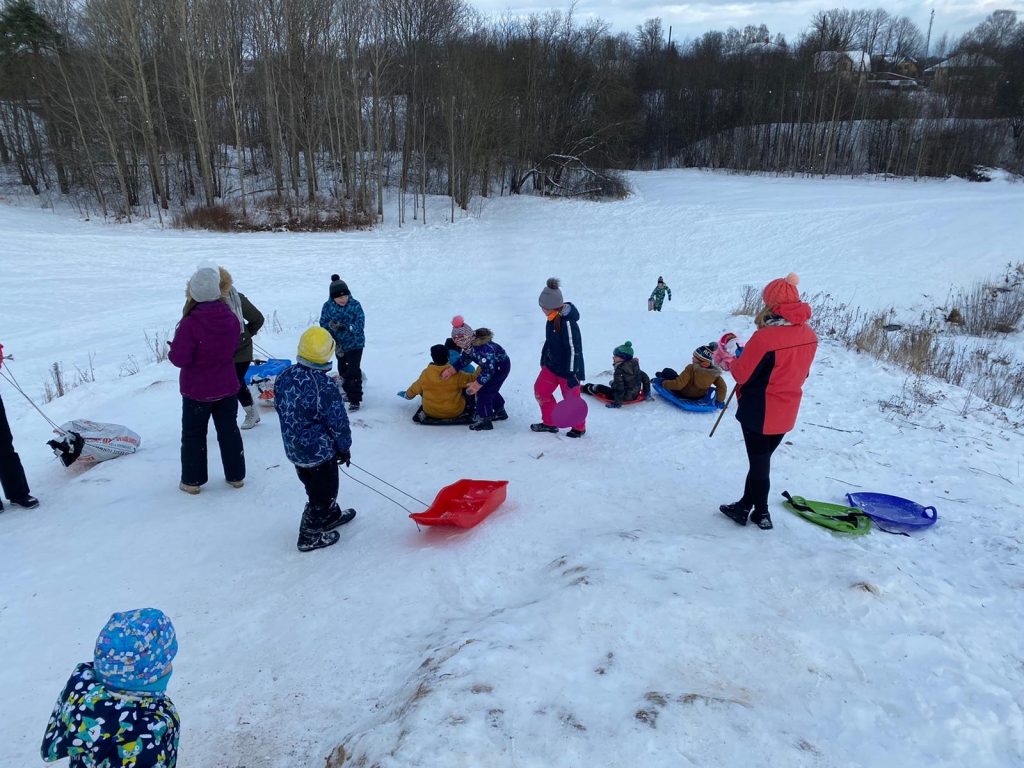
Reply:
x=316, y=435
x=114, y=710
x=479, y=347
x=343, y=318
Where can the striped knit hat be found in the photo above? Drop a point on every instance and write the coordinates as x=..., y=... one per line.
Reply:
x=704, y=354
x=624, y=351
x=462, y=334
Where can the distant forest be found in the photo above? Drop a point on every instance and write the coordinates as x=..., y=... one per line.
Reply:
x=154, y=107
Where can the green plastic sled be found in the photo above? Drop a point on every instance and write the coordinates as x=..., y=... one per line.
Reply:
x=833, y=516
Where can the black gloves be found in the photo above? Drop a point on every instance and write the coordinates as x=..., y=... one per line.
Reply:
x=343, y=457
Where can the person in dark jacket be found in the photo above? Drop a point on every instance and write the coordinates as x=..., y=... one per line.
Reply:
x=628, y=381
x=561, y=359
x=770, y=375
x=251, y=320
x=479, y=347
x=12, y=474
x=203, y=347
x=114, y=711
x=316, y=435
x=343, y=317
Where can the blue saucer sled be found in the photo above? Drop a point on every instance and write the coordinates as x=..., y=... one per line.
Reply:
x=705, y=404
x=894, y=511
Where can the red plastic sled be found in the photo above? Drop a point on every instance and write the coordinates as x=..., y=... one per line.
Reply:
x=603, y=399
x=464, y=503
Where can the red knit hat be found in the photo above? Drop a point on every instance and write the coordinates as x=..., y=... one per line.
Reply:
x=782, y=291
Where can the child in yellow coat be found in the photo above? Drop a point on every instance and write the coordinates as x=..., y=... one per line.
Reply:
x=442, y=399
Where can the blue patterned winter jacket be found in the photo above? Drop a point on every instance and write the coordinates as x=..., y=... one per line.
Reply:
x=314, y=425
x=346, y=324
x=485, y=353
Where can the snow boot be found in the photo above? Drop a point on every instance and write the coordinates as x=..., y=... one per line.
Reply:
x=587, y=389
x=336, y=517
x=737, y=512
x=251, y=417
x=192, y=489
x=353, y=407
x=235, y=483
x=481, y=425
x=542, y=427
x=500, y=415
x=311, y=532
x=26, y=502
x=762, y=520
x=576, y=433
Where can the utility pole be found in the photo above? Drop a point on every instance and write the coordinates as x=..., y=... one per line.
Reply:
x=928, y=40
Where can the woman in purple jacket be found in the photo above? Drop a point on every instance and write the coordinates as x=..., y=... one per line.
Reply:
x=203, y=347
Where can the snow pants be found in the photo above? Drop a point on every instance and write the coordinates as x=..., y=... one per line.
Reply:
x=12, y=474
x=488, y=398
x=321, y=484
x=244, y=395
x=544, y=390
x=759, y=455
x=351, y=374
x=195, y=421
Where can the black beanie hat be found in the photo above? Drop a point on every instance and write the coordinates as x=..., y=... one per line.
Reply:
x=439, y=354
x=339, y=287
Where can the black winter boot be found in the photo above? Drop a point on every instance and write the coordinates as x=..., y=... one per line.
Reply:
x=762, y=520
x=311, y=532
x=336, y=518
x=28, y=502
x=500, y=415
x=542, y=427
x=481, y=425
x=737, y=512
x=576, y=433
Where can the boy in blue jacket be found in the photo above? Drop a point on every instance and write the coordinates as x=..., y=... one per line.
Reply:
x=343, y=318
x=561, y=359
x=316, y=435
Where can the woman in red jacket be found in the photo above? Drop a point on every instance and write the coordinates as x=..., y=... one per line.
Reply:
x=770, y=375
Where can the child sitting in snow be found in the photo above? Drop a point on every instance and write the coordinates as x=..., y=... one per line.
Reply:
x=628, y=380
x=697, y=378
x=479, y=347
x=442, y=398
x=729, y=348
x=114, y=710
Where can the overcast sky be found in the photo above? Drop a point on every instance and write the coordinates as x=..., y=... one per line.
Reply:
x=787, y=16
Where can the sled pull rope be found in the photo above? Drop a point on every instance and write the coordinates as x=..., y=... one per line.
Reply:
x=14, y=383
x=389, y=485
x=396, y=503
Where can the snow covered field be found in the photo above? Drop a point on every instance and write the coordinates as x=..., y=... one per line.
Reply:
x=607, y=615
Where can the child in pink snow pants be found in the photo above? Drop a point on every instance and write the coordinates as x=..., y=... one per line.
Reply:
x=561, y=360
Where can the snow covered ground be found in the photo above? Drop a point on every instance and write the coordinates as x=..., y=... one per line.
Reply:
x=607, y=615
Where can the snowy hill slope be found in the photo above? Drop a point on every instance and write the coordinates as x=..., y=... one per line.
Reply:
x=607, y=614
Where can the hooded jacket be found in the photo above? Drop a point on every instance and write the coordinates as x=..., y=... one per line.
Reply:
x=203, y=348
x=98, y=727
x=694, y=382
x=441, y=399
x=346, y=324
x=770, y=373
x=628, y=381
x=563, y=347
x=486, y=353
x=314, y=424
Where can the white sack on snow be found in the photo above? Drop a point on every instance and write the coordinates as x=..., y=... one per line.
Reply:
x=103, y=441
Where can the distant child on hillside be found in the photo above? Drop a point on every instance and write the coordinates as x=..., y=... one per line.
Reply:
x=443, y=398
x=697, y=378
x=316, y=435
x=729, y=348
x=114, y=710
x=658, y=295
x=343, y=317
x=479, y=347
x=628, y=380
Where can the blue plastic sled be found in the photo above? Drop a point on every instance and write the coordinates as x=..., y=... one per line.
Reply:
x=893, y=511
x=266, y=370
x=705, y=405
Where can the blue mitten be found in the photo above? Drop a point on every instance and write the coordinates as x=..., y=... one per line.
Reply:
x=719, y=406
x=613, y=405
x=739, y=351
x=402, y=394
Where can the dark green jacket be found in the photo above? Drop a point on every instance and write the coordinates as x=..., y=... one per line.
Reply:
x=252, y=322
x=629, y=381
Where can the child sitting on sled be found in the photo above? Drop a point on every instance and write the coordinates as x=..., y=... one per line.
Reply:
x=729, y=348
x=479, y=347
x=628, y=381
x=443, y=399
x=697, y=378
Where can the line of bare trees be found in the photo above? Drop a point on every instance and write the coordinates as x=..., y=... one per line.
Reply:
x=147, y=107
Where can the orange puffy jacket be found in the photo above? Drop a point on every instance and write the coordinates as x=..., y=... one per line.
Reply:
x=770, y=372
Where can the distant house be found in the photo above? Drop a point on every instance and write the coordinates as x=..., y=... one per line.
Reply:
x=963, y=66
x=854, y=66
x=890, y=64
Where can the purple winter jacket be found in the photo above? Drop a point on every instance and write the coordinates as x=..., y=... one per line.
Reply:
x=204, y=347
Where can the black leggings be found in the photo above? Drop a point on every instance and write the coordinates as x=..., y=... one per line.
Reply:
x=244, y=395
x=759, y=453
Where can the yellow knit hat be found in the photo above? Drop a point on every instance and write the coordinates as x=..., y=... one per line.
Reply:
x=316, y=345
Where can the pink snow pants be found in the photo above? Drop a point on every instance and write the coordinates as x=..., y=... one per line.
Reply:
x=544, y=391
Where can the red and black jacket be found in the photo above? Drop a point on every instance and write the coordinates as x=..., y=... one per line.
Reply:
x=771, y=371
